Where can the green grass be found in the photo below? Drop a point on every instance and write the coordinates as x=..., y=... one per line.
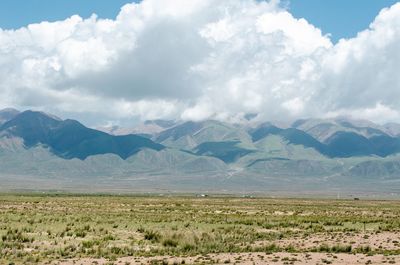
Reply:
x=36, y=229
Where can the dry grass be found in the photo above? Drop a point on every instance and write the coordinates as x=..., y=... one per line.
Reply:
x=104, y=229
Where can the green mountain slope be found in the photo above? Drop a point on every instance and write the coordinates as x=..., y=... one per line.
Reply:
x=41, y=151
x=70, y=139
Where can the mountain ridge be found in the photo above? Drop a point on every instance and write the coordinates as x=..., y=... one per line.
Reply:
x=206, y=154
x=70, y=139
x=197, y=137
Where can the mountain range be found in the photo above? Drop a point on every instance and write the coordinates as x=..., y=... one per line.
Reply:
x=39, y=151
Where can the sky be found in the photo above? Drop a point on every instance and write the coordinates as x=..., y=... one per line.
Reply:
x=201, y=59
x=355, y=15
x=340, y=18
x=12, y=16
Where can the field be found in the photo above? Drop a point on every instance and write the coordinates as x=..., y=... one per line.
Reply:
x=62, y=229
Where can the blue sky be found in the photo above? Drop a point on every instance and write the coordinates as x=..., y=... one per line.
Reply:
x=18, y=13
x=341, y=18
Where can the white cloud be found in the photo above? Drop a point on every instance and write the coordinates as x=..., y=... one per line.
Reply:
x=361, y=72
x=200, y=59
x=301, y=37
x=378, y=112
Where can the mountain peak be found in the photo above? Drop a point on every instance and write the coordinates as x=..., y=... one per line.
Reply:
x=41, y=114
x=71, y=139
x=31, y=119
x=32, y=126
x=9, y=110
x=7, y=114
x=161, y=123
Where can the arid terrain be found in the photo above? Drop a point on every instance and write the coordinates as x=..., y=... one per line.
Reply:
x=72, y=229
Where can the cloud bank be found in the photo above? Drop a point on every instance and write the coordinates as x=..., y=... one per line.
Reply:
x=201, y=59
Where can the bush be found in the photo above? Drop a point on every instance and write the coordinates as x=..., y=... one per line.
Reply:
x=152, y=236
x=170, y=243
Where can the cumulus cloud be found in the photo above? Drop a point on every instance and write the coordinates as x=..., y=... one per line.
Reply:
x=201, y=59
x=361, y=73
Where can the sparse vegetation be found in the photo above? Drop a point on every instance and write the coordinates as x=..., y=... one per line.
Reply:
x=40, y=229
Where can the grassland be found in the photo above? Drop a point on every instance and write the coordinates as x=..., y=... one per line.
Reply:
x=159, y=230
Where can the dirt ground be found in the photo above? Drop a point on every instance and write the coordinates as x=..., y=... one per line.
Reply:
x=249, y=259
x=123, y=230
x=373, y=240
